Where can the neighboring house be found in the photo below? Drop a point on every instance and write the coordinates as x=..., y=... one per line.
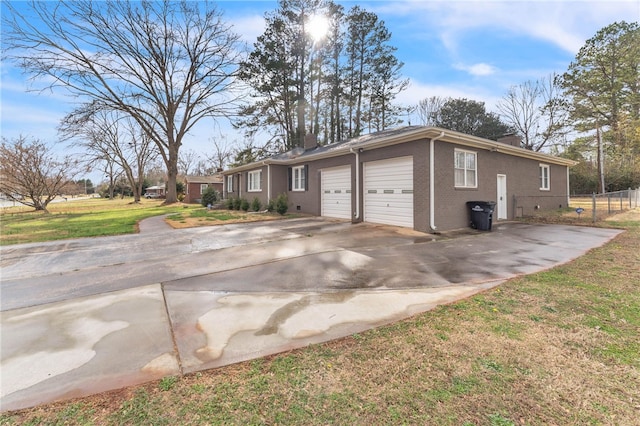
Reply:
x=157, y=191
x=196, y=185
x=417, y=177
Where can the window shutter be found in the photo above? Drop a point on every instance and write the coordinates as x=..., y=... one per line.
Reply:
x=290, y=176
x=306, y=177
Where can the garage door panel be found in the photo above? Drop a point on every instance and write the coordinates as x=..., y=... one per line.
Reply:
x=388, y=191
x=336, y=192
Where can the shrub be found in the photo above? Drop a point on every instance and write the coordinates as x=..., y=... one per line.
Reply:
x=209, y=196
x=271, y=206
x=236, y=203
x=244, y=204
x=282, y=204
x=256, y=205
x=230, y=203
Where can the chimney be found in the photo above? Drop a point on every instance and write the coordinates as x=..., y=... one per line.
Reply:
x=310, y=141
x=511, y=139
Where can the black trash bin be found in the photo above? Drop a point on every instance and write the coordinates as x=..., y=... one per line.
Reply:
x=481, y=214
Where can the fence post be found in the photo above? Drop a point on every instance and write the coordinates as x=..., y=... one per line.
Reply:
x=629, y=198
x=593, y=207
x=620, y=200
x=608, y=203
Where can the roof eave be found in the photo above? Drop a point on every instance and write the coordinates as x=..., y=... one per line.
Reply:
x=412, y=135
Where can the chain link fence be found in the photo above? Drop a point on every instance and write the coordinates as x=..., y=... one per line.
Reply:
x=588, y=206
x=602, y=205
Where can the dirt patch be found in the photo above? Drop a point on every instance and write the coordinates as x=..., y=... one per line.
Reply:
x=198, y=218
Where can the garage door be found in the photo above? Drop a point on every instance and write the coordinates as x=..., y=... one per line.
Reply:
x=388, y=191
x=336, y=192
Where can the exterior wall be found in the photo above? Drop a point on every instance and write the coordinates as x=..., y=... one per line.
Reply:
x=527, y=198
x=262, y=194
x=194, y=195
x=523, y=185
x=310, y=201
x=279, y=183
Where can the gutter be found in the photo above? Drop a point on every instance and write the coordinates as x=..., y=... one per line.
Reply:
x=356, y=214
x=432, y=183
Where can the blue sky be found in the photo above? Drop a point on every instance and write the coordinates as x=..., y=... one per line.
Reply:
x=463, y=49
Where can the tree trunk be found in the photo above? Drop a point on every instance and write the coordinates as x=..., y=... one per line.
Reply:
x=172, y=176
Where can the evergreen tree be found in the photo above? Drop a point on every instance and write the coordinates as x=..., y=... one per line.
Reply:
x=331, y=87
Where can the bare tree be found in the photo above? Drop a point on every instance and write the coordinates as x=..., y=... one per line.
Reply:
x=221, y=155
x=187, y=161
x=31, y=174
x=112, y=173
x=167, y=64
x=118, y=139
x=429, y=110
x=536, y=111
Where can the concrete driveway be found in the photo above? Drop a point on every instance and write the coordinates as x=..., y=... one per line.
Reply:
x=84, y=316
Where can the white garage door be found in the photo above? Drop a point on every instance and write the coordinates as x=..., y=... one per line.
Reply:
x=388, y=191
x=336, y=192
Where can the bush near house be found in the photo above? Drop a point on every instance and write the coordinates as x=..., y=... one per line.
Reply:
x=209, y=197
x=256, y=205
x=230, y=203
x=236, y=203
x=244, y=204
x=282, y=204
x=271, y=206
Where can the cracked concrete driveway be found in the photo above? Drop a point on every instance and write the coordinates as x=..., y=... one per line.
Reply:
x=85, y=316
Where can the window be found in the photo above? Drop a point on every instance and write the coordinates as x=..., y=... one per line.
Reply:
x=544, y=177
x=299, y=178
x=255, y=181
x=203, y=188
x=230, y=183
x=465, y=169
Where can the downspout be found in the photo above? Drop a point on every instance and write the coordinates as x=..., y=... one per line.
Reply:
x=568, y=189
x=268, y=180
x=432, y=184
x=356, y=215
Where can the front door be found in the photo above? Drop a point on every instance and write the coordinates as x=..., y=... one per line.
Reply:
x=501, y=208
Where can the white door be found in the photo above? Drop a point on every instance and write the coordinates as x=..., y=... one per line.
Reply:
x=388, y=191
x=336, y=192
x=501, y=207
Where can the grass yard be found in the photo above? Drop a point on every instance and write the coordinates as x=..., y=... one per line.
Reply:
x=79, y=218
x=559, y=347
x=101, y=217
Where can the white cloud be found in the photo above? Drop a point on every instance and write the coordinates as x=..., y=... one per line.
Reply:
x=478, y=70
x=419, y=90
x=565, y=24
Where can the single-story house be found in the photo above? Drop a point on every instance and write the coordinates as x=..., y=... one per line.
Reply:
x=417, y=177
x=156, y=191
x=196, y=185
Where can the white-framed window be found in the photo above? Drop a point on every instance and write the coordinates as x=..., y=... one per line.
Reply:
x=254, y=183
x=545, y=184
x=203, y=187
x=230, y=183
x=299, y=178
x=465, y=169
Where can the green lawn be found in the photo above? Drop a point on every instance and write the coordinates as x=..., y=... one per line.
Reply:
x=82, y=218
